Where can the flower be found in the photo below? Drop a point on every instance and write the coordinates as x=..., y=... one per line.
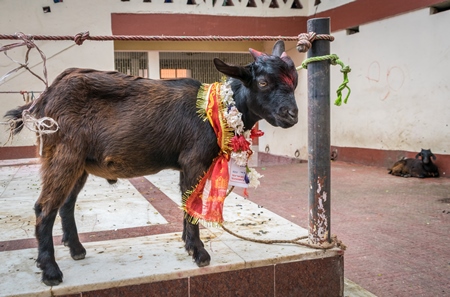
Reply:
x=234, y=119
x=226, y=94
x=256, y=133
x=241, y=158
x=254, y=177
x=239, y=143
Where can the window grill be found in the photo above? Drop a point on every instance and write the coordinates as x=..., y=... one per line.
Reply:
x=198, y=65
x=132, y=63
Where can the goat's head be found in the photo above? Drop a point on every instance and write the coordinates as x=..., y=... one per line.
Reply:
x=268, y=84
x=426, y=156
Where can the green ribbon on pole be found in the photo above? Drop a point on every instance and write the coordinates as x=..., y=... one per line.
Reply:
x=345, y=69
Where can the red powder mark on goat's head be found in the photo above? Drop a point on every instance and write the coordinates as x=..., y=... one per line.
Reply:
x=288, y=79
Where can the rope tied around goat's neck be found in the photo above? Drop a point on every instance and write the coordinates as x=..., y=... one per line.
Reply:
x=335, y=242
x=304, y=44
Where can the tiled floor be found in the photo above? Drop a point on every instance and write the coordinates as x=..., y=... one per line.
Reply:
x=132, y=235
x=397, y=231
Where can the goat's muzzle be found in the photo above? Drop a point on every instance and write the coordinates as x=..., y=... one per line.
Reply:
x=287, y=117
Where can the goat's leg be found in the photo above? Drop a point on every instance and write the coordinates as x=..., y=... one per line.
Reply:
x=69, y=227
x=59, y=176
x=51, y=274
x=191, y=234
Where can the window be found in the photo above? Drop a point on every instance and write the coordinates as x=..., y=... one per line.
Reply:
x=197, y=65
x=132, y=63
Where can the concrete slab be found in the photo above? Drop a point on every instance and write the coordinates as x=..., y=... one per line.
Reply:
x=129, y=242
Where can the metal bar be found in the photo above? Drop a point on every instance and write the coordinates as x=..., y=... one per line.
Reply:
x=319, y=135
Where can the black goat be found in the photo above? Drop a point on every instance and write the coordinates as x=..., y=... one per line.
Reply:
x=118, y=126
x=423, y=167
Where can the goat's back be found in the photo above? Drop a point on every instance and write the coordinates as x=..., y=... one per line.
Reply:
x=133, y=124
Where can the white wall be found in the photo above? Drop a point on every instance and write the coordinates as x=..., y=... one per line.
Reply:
x=71, y=17
x=325, y=5
x=399, y=79
x=66, y=18
x=400, y=83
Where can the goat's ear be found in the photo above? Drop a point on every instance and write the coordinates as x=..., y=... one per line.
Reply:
x=241, y=73
x=278, y=48
x=433, y=156
x=418, y=155
x=287, y=59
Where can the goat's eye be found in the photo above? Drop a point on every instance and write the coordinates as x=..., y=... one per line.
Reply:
x=262, y=83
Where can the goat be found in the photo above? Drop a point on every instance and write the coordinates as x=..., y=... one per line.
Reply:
x=114, y=126
x=408, y=167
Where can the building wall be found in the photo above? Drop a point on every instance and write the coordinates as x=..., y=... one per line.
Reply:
x=400, y=84
x=399, y=60
x=400, y=88
x=72, y=17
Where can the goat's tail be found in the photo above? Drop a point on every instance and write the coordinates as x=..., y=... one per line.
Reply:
x=15, y=120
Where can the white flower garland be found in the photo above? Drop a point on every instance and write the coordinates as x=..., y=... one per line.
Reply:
x=234, y=121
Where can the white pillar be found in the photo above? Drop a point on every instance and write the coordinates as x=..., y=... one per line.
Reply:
x=153, y=65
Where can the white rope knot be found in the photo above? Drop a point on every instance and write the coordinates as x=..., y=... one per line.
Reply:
x=45, y=125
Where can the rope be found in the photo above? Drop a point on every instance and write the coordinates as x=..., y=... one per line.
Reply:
x=47, y=125
x=304, y=43
x=19, y=92
x=81, y=37
x=324, y=246
x=40, y=126
x=28, y=42
x=345, y=69
x=305, y=40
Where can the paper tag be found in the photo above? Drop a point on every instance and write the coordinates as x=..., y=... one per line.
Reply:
x=237, y=175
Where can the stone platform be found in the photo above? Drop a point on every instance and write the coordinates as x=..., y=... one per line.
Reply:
x=132, y=234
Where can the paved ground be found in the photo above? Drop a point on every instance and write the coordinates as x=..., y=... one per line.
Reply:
x=397, y=229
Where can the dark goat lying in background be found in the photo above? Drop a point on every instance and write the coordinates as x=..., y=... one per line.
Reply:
x=423, y=167
x=118, y=126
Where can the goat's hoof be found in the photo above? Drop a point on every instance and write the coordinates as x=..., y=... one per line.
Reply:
x=202, y=258
x=78, y=254
x=190, y=252
x=52, y=277
x=77, y=250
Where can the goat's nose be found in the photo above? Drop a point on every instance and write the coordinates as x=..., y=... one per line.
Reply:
x=289, y=113
x=293, y=113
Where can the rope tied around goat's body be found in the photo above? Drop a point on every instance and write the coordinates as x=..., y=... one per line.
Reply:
x=304, y=44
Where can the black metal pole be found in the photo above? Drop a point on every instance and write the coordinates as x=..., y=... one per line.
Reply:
x=319, y=135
